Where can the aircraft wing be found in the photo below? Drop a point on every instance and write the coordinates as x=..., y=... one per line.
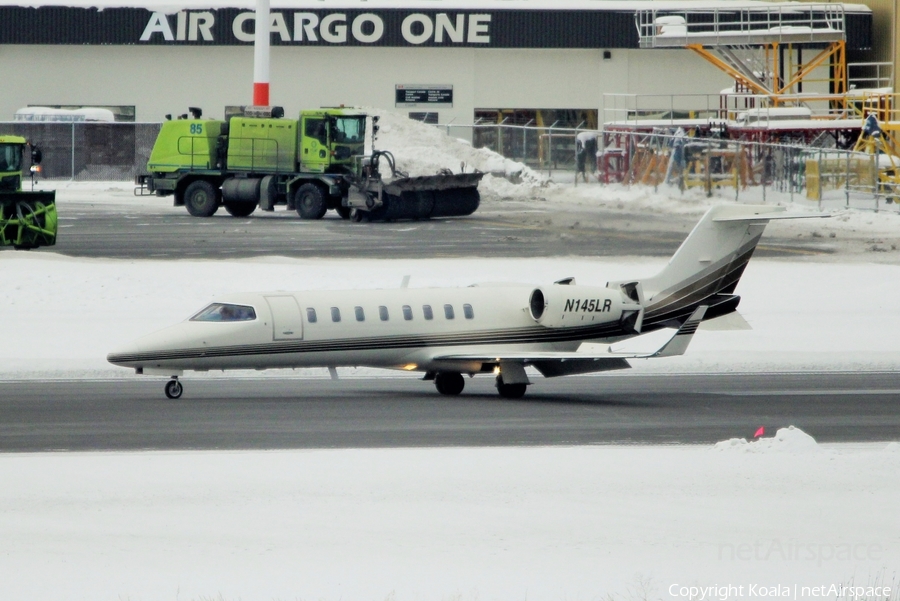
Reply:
x=597, y=357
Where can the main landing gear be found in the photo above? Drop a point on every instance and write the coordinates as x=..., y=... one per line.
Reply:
x=452, y=383
x=510, y=391
x=174, y=388
x=449, y=382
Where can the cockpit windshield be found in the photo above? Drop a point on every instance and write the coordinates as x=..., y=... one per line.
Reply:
x=225, y=312
x=350, y=130
x=10, y=157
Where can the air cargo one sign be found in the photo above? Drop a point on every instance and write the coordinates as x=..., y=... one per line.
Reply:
x=323, y=28
x=439, y=27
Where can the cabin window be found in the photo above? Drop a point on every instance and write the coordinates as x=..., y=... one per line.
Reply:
x=335, y=314
x=311, y=315
x=383, y=313
x=426, y=309
x=468, y=311
x=448, y=312
x=360, y=314
x=225, y=312
x=407, y=312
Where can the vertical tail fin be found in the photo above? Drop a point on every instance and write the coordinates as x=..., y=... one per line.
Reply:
x=707, y=266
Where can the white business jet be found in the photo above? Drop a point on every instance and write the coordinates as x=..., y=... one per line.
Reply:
x=559, y=329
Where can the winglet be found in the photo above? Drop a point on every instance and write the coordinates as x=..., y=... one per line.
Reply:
x=679, y=342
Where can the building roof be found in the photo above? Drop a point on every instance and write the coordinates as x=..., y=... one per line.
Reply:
x=410, y=23
x=431, y=5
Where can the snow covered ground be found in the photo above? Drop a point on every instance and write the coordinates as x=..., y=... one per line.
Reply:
x=583, y=523
x=612, y=523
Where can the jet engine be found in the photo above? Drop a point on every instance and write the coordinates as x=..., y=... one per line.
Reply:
x=569, y=306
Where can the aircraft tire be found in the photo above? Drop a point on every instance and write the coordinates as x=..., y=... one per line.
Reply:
x=201, y=199
x=174, y=389
x=511, y=391
x=310, y=202
x=449, y=383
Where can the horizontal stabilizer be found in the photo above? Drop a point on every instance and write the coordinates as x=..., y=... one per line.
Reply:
x=726, y=323
x=759, y=215
x=679, y=342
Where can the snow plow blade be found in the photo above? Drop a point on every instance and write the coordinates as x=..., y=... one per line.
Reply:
x=28, y=219
x=423, y=197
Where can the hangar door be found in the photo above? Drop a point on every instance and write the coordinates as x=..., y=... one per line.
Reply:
x=287, y=322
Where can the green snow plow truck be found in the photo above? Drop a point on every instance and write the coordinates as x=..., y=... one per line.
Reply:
x=310, y=164
x=27, y=219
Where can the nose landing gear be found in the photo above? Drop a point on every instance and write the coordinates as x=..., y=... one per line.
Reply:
x=174, y=388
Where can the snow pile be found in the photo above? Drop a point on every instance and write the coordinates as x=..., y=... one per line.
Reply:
x=786, y=440
x=422, y=149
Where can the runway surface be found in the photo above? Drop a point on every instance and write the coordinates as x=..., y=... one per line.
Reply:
x=260, y=413
x=153, y=229
x=289, y=413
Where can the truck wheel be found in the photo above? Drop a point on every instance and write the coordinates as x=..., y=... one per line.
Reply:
x=201, y=199
x=343, y=211
x=239, y=209
x=310, y=202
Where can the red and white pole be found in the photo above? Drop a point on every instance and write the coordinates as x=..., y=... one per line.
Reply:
x=261, y=40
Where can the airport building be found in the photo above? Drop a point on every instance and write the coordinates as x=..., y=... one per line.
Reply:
x=446, y=61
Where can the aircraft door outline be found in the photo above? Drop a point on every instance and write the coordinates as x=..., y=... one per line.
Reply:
x=287, y=320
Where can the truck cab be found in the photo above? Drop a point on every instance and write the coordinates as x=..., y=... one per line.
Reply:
x=330, y=139
x=27, y=219
x=11, y=150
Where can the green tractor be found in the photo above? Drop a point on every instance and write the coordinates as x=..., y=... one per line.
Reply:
x=27, y=219
x=311, y=164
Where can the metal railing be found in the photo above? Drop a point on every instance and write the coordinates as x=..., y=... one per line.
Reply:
x=870, y=75
x=631, y=108
x=666, y=109
x=710, y=26
x=250, y=154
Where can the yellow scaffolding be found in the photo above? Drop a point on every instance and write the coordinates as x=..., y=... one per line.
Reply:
x=836, y=51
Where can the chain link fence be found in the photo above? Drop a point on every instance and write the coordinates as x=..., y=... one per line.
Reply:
x=751, y=171
x=541, y=148
x=88, y=151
